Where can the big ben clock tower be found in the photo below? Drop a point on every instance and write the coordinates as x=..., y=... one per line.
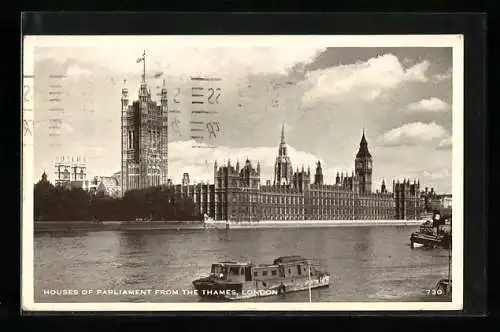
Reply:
x=363, y=166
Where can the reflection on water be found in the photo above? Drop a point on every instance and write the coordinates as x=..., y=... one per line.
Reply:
x=366, y=263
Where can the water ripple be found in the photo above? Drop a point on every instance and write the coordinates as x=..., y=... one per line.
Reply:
x=366, y=263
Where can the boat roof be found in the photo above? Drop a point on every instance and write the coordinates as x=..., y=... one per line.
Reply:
x=233, y=263
x=263, y=266
x=289, y=259
x=277, y=261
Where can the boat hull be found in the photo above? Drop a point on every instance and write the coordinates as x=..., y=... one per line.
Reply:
x=211, y=288
x=429, y=241
x=215, y=289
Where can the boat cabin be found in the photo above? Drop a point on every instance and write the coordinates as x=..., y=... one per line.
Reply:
x=437, y=225
x=232, y=271
x=282, y=267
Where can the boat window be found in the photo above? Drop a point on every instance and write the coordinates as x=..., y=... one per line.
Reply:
x=255, y=274
x=248, y=273
x=264, y=273
x=216, y=268
x=273, y=272
x=289, y=271
x=299, y=270
x=234, y=271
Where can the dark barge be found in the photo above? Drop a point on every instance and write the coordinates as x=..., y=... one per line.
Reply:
x=244, y=280
x=433, y=233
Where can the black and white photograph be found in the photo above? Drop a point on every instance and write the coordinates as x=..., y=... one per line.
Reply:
x=242, y=172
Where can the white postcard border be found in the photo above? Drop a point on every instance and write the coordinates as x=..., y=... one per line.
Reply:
x=453, y=41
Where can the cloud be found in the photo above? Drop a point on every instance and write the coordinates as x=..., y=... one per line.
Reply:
x=445, y=143
x=429, y=105
x=437, y=175
x=199, y=162
x=184, y=56
x=241, y=60
x=415, y=133
x=437, y=178
x=444, y=76
x=365, y=79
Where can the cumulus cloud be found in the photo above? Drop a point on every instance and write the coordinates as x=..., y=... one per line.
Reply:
x=413, y=134
x=445, y=143
x=429, y=105
x=199, y=162
x=237, y=60
x=366, y=79
x=444, y=76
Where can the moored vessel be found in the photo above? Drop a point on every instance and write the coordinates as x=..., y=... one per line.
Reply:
x=443, y=287
x=433, y=233
x=244, y=280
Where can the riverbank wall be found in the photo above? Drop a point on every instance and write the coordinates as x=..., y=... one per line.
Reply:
x=313, y=223
x=46, y=226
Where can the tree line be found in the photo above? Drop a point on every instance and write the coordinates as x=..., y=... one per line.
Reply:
x=57, y=203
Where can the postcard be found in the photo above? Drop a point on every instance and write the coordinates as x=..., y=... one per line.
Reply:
x=229, y=173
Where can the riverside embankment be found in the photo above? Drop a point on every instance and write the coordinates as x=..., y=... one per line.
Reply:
x=48, y=226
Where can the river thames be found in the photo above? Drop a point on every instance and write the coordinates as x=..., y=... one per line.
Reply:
x=366, y=263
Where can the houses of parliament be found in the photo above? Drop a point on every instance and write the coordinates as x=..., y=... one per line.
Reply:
x=237, y=193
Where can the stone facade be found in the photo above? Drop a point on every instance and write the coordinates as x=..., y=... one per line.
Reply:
x=237, y=193
x=144, y=139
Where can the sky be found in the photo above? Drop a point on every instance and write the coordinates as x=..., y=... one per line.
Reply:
x=324, y=96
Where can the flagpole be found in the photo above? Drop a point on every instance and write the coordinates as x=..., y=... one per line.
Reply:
x=144, y=66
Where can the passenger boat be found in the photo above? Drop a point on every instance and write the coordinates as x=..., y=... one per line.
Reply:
x=244, y=280
x=433, y=233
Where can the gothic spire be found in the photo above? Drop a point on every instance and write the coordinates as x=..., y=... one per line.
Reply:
x=282, y=149
x=363, y=148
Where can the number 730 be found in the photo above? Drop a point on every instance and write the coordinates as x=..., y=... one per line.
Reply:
x=434, y=292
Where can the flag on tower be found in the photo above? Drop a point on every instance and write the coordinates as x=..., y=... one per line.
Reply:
x=141, y=58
